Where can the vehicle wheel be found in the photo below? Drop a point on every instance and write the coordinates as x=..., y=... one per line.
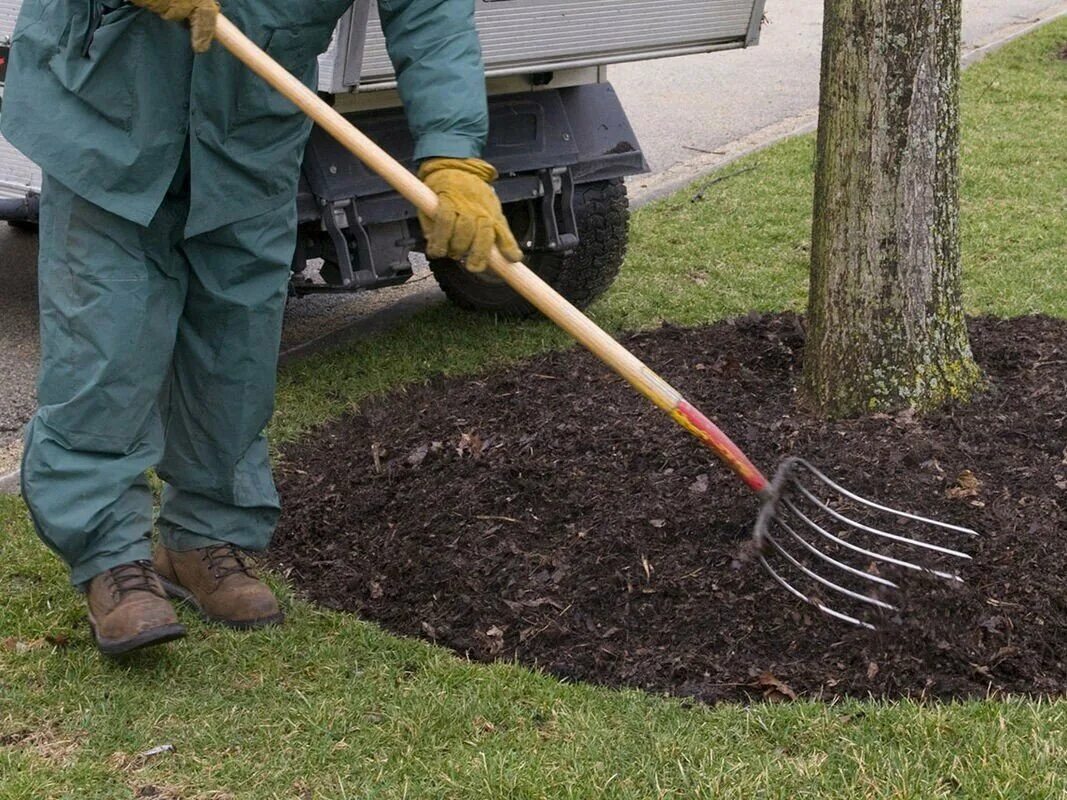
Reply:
x=602, y=211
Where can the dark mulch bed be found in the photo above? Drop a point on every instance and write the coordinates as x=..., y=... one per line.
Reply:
x=546, y=514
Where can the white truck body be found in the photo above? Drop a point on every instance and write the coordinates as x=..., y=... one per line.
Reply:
x=562, y=41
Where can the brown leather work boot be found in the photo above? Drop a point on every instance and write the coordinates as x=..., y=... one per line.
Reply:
x=128, y=609
x=219, y=583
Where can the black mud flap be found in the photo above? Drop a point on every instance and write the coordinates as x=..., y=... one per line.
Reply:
x=582, y=128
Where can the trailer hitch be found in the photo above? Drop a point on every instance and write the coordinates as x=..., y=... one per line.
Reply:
x=561, y=233
x=362, y=257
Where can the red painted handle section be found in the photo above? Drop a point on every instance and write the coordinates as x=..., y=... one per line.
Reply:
x=709, y=433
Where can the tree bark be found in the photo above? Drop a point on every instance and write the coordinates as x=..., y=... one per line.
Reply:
x=886, y=328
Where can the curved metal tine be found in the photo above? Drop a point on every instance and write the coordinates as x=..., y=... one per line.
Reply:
x=833, y=561
x=869, y=553
x=824, y=608
x=826, y=582
x=876, y=531
x=879, y=506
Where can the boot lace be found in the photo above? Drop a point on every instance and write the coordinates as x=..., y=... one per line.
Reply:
x=224, y=560
x=137, y=576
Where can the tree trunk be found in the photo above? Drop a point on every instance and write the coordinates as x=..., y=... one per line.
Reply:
x=886, y=328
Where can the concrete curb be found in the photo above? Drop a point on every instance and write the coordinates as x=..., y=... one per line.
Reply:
x=1002, y=37
x=641, y=193
x=647, y=189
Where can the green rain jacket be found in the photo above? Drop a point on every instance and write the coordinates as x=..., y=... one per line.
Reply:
x=103, y=96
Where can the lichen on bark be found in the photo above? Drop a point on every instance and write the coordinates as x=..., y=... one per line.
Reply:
x=885, y=325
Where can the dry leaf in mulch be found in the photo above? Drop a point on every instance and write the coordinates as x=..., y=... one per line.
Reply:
x=967, y=485
x=774, y=689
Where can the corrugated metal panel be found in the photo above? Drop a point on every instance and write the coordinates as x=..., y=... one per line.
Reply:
x=9, y=11
x=326, y=66
x=540, y=33
x=543, y=32
x=18, y=175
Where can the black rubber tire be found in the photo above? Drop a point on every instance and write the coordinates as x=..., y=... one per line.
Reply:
x=603, y=214
x=24, y=227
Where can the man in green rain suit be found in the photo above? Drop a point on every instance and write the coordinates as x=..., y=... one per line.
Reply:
x=168, y=224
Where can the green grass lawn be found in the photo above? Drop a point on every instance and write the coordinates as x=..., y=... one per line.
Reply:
x=332, y=707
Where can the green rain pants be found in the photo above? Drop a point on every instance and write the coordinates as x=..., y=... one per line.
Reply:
x=156, y=351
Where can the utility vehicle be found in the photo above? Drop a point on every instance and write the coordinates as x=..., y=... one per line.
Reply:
x=558, y=135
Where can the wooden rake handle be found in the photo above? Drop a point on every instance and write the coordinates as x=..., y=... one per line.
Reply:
x=518, y=276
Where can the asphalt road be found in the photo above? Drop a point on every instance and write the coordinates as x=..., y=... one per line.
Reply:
x=690, y=113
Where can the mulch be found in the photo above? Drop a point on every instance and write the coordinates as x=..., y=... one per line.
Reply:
x=547, y=515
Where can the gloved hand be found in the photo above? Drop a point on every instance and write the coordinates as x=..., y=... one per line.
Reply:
x=200, y=13
x=469, y=219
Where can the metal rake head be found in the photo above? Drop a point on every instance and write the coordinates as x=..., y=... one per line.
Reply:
x=803, y=538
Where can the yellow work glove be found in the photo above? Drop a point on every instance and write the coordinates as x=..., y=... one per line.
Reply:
x=469, y=219
x=200, y=13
